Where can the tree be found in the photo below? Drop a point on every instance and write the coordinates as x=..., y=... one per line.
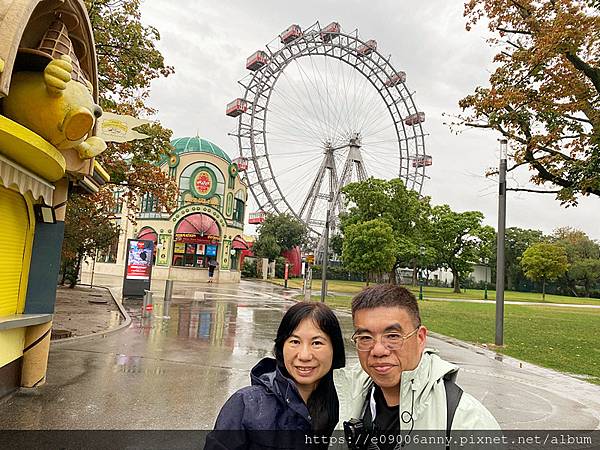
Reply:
x=390, y=201
x=579, y=248
x=288, y=231
x=587, y=271
x=516, y=242
x=544, y=261
x=459, y=240
x=128, y=61
x=266, y=247
x=369, y=247
x=279, y=233
x=545, y=92
x=88, y=228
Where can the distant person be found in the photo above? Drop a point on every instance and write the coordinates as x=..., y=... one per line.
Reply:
x=293, y=392
x=404, y=386
x=212, y=265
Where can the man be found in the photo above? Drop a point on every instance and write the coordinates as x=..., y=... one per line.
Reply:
x=408, y=387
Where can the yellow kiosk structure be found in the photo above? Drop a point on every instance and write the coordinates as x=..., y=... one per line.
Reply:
x=48, y=110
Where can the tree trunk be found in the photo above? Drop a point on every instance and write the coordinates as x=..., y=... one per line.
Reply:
x=455, y=282
x=543, y=289
x=77, y=268
x=64, y=273
x=586, y=286
x=393, y=279
x=368, y=273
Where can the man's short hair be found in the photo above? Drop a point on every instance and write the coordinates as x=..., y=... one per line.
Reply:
x=387, y=296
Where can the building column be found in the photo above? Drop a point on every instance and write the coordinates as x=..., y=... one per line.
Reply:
x=41, y=290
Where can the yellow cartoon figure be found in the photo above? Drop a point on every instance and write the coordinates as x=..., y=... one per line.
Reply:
x=58, y=103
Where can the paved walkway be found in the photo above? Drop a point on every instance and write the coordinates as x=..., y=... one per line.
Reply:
x=176, y=373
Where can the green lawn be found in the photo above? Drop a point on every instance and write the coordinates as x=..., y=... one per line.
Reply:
x=352, y=287
x=564, y=339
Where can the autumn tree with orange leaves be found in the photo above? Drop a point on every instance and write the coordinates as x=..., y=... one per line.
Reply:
x=128, y=61
x=544, y=95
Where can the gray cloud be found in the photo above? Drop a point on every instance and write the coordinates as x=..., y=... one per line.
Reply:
x=209, y=41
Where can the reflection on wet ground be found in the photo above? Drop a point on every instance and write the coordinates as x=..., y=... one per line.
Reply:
x=174, y=368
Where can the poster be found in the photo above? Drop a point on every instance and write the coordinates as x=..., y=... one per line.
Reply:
x=179, y=247
x=200, y=249
x=139, y=260
x=211, y=250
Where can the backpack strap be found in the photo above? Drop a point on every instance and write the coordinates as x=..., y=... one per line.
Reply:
x=453, y=395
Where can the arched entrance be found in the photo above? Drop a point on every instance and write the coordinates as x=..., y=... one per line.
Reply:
x=197, y=239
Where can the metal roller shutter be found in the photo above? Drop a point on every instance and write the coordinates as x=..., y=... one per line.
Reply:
x=14, y=223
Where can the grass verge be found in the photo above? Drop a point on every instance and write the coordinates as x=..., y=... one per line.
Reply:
x=352, y=287
x=563, y=339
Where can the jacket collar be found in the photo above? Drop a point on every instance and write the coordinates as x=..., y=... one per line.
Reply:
x=267, y=374
x=416, y=386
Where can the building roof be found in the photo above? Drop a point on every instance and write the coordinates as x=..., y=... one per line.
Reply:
x=197, y=144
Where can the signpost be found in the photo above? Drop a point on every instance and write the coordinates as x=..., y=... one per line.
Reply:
x=138, y=267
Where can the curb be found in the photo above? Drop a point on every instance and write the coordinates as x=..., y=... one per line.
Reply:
x=102, y=334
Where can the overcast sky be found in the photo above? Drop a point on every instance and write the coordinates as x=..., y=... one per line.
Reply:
x=208, y=42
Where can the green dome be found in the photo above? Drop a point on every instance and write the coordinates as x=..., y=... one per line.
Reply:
x=197, y=144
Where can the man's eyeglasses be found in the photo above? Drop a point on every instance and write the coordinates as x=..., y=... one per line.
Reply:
x=391, y=341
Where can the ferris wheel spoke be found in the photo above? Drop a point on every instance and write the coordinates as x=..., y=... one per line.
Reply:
x=291, y=128
x=310, y=96
x=276, y=138
x=341, y=125
x=375, y=112
x=300, y=107
x=334, y=111
x=317, y=82
x=387, y=126
x=310, y=128
x=360, y=92
x=317, y=92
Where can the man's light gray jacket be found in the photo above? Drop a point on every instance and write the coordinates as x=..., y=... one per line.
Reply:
x=422, y=397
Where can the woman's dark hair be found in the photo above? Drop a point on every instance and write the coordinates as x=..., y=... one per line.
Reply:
x=323, y=402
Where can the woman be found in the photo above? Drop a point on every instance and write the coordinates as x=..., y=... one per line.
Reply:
x=294, y=391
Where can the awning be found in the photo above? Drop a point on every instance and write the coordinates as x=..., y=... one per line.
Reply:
x=239, y=244
x=11, y=174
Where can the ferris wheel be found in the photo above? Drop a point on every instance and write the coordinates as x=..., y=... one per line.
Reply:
x=323, y=108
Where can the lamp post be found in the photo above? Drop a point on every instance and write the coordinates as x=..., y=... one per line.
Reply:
x=421, y=253
x=485, y=293
x=500, y=261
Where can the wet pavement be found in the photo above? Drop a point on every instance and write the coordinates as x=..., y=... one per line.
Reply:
x=175, y=369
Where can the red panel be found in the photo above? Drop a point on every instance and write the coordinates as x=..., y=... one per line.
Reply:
x=239, y=244
x=198, y=224
x=295, y=259
x=148, y=233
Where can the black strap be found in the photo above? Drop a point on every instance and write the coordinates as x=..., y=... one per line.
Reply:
x=453, y=395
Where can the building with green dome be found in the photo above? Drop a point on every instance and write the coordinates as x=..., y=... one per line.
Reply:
x=207, y=224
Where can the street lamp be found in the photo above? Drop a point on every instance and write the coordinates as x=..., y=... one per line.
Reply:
x=421, y=253
x=485, y=294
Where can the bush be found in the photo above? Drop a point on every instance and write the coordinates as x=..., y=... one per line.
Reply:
x=249, y=268
x=337, y=272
